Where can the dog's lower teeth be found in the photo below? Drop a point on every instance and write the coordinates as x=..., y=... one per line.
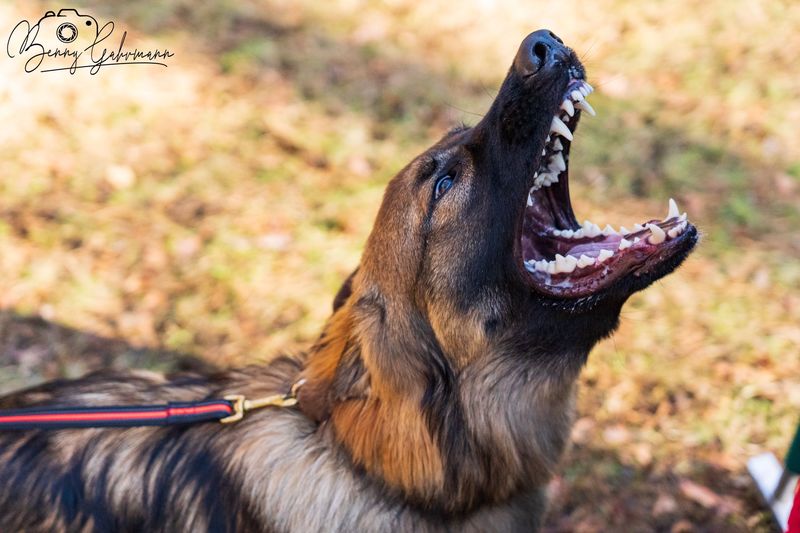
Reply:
x=624, y=243
x=603, y=255
x=657, y=235
x=673, y=210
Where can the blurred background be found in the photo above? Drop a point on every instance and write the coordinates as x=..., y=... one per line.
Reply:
x=205, y=213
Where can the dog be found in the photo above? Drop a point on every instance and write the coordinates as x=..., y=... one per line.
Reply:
x=440, y=393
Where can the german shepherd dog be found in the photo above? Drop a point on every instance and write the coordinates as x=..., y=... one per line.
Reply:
x=439, y=395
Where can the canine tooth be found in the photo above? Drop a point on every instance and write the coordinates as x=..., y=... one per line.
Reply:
x=559, y=127
x=603, y=255
x=623, y=230
x=584, y=91
x=576, y=95
x=567, y=106
x=557, y=146
x=673, y=210
x=586, y=107
x=609, y=230
x=657, y=234
x=557, y=160
x=585, y=261
x=624, y=243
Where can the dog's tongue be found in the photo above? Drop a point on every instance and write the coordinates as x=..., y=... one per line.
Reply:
x=593, y=249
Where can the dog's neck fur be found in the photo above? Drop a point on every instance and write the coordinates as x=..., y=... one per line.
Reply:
x=480, y=435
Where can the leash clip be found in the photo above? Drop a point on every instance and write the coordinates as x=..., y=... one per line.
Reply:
x=241, y=404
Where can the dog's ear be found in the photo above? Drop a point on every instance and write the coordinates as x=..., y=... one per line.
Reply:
x=344, y=291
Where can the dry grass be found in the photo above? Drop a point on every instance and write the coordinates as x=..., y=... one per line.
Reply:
x=213, y=207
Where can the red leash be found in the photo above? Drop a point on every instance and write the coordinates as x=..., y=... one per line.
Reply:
x=115, y=416
x=230, y=409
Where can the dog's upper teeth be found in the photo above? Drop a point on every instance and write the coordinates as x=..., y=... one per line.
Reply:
x=576, y=95
x=609, y=230
x=673, y=210
x=637, y=227
x=591, y=229
x=567, y=106
x=557, y=162
x=586, y=107
x=623, y=230
x=588, y=87
x=657, y=234
x=559, y=127
x=584, y=91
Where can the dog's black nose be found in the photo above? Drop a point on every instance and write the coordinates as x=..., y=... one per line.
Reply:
x=540, y=51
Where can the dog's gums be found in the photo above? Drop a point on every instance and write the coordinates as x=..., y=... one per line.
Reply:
x=565, y=258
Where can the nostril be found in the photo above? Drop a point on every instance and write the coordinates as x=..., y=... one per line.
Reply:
x=554, y=36
x=540, y=52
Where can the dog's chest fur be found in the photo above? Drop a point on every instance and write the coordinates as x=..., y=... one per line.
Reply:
x=274, y=471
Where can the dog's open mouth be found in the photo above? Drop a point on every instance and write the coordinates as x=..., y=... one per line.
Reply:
x=565, y=258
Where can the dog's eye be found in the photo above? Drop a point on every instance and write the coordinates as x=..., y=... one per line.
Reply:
x=442, y=186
